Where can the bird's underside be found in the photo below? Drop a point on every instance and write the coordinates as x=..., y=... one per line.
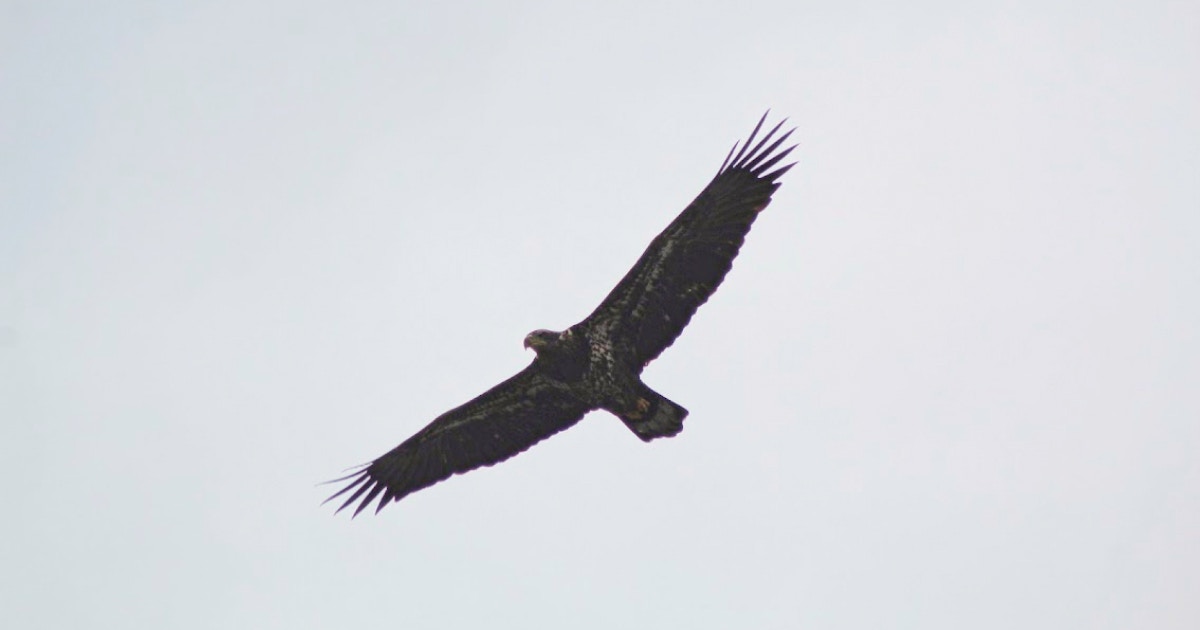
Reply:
x=597, y=363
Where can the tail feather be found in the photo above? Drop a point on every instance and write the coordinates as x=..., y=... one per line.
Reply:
x=663, y=418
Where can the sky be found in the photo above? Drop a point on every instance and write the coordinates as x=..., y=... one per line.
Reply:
x=950, y=382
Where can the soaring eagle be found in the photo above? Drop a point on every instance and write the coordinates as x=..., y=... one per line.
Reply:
x=597, y=363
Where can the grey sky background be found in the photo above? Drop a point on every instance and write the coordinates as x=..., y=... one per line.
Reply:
x=950, y=382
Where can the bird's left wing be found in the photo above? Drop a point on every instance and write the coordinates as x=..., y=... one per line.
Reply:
x=684, y=264
x=500, y=423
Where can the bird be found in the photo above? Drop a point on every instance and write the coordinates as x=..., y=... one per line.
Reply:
x=596, y=363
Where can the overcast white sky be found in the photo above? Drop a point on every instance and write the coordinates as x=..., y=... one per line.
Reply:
x=950, y=382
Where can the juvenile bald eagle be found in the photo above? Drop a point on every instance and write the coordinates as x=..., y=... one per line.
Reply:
x=597, y=363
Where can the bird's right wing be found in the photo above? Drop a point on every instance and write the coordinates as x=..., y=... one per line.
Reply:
x=504, y=421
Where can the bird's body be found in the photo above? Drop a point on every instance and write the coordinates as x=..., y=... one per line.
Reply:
x=597, y=363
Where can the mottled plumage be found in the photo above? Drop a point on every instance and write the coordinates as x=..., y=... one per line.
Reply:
x=596, y=363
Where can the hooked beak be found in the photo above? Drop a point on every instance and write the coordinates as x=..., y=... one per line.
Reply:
x=534, y=341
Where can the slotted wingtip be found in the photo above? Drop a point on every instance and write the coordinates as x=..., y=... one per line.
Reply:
x=761, y=155
x=352, y=472
x=360, y=483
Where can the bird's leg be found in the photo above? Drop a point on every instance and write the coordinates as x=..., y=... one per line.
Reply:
x=640, y=407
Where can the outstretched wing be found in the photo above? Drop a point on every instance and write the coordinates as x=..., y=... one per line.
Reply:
x=504, y=421
x=684, y=264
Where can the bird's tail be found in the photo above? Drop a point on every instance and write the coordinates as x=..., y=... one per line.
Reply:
x=654, y=416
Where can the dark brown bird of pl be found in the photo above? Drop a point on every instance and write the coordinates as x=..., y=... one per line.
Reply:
x=597, y=363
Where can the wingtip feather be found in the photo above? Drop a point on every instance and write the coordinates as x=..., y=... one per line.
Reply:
x=729, y=155
x=750, y=140
x=762, y=167
x=777, y=173
x=363, y=485
x=378, y=487
x=756, y=153
x=759, y=156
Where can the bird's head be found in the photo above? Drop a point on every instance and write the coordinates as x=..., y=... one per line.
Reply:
x=541, y=339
